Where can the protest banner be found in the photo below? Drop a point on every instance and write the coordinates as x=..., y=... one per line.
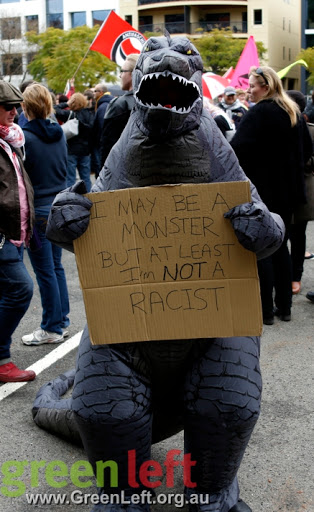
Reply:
x=163, y=263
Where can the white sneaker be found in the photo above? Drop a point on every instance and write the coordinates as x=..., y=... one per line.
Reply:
x=39, y=337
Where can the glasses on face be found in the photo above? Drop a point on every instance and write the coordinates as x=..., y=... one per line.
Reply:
x=125, y=71
x=8, y=107
x=259, y=71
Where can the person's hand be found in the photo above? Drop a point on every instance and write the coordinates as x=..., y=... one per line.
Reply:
x=256, y=228
x=69, y=216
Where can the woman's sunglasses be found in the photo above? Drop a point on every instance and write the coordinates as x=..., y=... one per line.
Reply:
x=259, y=71
x=8, y=107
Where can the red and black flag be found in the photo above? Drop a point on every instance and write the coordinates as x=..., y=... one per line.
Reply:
x=116, y=39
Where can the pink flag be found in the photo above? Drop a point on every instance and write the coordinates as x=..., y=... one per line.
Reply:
x=248, y=58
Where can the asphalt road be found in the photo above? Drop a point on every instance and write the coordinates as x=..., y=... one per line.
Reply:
x=277, y=472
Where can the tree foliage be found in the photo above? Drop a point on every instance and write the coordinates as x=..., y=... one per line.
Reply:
x=219, y=50
x=308, y=56
x=59, y=54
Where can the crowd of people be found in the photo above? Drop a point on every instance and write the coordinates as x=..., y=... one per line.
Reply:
x=269, y=129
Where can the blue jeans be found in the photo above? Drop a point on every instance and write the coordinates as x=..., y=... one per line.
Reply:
x=50, y=277
x=82, y=164
x=16, y=291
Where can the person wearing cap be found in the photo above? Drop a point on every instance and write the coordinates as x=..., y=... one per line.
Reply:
x=16, y=225
x=232, y=105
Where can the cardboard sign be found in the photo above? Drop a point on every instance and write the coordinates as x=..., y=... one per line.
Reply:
x=161, y=263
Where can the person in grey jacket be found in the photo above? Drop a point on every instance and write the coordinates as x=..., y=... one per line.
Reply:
x=233, y=106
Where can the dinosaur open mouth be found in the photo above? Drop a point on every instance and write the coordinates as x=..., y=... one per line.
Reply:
x=167, y=90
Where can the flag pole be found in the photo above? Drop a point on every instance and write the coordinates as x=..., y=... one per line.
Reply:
x=99, y=30
x=78, y=67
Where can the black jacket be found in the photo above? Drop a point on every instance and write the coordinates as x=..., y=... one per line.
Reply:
x=45, y=159
x=116, y=118
x=79, y=145
x=102, y=105
x=272, y=154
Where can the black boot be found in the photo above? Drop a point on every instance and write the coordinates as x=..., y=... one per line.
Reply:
x=310, y=296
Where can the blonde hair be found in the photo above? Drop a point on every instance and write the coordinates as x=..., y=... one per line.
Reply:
x=132, y=60
x=37, y=101
x=276, y=91
x=77, y=101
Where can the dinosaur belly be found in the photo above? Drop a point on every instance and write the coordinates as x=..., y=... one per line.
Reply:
x=178, y=160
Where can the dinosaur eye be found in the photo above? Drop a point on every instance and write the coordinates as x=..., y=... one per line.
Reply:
x=189, y=52
x=147, y=49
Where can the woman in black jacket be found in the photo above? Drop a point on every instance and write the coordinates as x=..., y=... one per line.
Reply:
x=269, y=145
x=79, y=147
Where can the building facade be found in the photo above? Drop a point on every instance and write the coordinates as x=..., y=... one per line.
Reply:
x=276, y=23
x=18, y=17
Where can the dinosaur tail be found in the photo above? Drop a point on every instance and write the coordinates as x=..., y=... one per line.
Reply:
x=54, y=414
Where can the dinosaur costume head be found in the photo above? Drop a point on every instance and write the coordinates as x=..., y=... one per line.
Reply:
x=167, y=84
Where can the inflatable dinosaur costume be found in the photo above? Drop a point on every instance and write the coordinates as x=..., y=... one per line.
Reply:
x=127, y=396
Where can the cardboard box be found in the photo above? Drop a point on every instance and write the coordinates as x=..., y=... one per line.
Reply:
x=163, y=263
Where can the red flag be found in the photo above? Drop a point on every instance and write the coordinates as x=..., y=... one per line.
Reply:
x=248, y=58
x=116, y=39
x=229, y=73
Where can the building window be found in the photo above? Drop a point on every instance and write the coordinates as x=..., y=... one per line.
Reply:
x=12, y=64
x=128, y=18
x=32, y=23
x=99, y=17
x=78, y=19
x=55, y=20
x=54, y=13
x=289, y=54
x=145, y=24
x=283, y=23
x=218, y=20
x=283, y=52
x=174, y=23
x=258, y=16
x=10, y=28
x=54, y=6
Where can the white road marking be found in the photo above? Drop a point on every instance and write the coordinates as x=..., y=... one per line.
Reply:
x=44, y=363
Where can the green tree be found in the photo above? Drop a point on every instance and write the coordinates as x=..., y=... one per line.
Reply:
x=308, y=56
x=219, y=50
x=59, y=54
